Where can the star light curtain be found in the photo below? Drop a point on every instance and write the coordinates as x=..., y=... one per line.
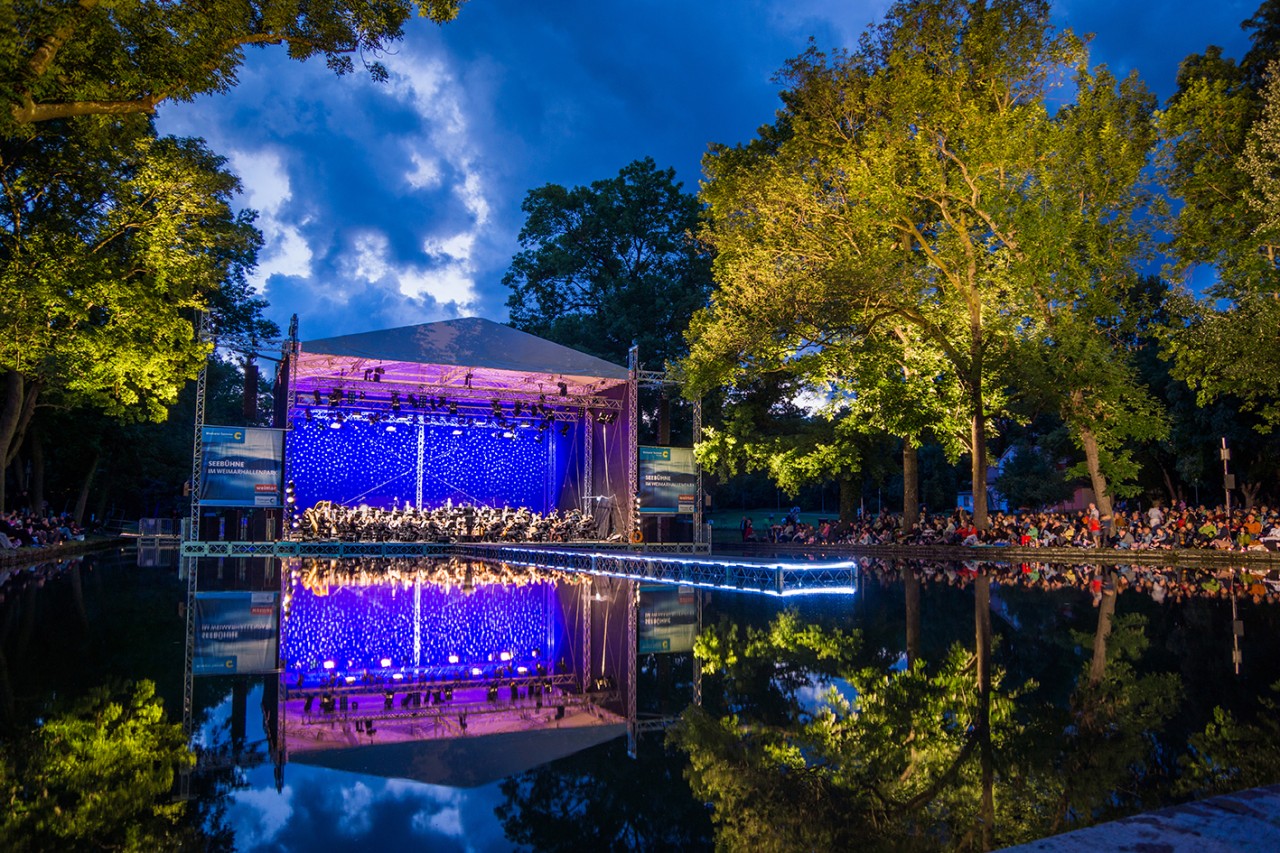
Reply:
x=358, y=627
x=354, y=462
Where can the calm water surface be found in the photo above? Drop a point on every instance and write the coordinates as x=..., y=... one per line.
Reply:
x=825, y=720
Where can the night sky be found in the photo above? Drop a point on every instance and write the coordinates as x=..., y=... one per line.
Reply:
x=396, y=203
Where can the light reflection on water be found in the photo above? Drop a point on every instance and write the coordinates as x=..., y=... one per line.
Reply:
x=103, y=617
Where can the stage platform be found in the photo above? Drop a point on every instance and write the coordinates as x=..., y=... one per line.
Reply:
x=687, y=564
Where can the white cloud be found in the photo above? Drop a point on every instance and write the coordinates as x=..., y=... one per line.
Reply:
x=356, y=803
x=426, y=174
x=262, y=814
x=266, y=185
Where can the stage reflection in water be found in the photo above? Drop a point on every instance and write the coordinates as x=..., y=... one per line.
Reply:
x=403, y=653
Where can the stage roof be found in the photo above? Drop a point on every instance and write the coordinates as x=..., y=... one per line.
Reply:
x=471, y=355
x=468, y=342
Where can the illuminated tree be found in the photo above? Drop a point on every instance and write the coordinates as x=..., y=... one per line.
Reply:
x=112, y=241
x=99, y=776
x=71, y=58
x=901, y=186
x=1222, y=171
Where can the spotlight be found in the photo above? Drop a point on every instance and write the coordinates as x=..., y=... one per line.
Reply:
x=385, y=662
x=564, y=388
x=453, y=658
x=564, y=429
x=413, y=402
x=395, y=402
x=367, y=371
x=440, y=402
x=466, y=382
x=517, y=407
x=307, y=412
x=315, y=396
x=328, y=664
x=453, y=407
x=335, y=397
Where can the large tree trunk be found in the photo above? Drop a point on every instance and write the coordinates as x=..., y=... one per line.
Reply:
x=910, y=485
x=83, y=498
x=911, y=582
x=849, y=493
x=1089, y=443
x=1106, y=611
x=978, y=471
x=1250, y=493
x=982, y=630
x=16, y=407
x=36, y=444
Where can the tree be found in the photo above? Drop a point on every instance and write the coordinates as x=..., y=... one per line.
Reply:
x=112, y=242
x=902, y=186
x=605, y=265
x=1217, y=166
x=98, y=775
x=73, y=58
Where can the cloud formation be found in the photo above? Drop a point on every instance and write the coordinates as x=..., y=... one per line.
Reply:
x=396, y=203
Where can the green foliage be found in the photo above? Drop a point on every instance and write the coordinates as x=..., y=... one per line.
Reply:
x=96, y=776
x=890, y=761
x=1219, y=160
x=605, y=265
x=1230, y=754
x=909, y=200
x=65, y=59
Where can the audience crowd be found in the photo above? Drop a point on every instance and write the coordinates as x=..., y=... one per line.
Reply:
x=25, y=529
x=1156, y=528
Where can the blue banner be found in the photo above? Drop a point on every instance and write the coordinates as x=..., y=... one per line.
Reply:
x=668, y=619
x=668, y=480
x=237, y=633
x=242, y=466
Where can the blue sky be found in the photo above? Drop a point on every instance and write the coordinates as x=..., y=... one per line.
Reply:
x=396, y=203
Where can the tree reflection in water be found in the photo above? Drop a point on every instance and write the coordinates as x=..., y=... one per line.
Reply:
x=949, y=751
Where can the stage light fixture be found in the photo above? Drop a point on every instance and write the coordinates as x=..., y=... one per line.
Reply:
x=315, y=396
x=453, y=408
x=377, y=374
x=413, y=401
x=453, y=658
x=516, y=408
x=466, y=381
x=564, y=429
x=385, y=662
x=367, y=371
x=564, y=388
x=308, y=414
x=440, y=402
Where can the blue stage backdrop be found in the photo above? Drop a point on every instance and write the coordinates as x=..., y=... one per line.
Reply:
x=356, y=627
x=362, y=463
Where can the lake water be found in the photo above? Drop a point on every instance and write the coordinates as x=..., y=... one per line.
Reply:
x=474, y=706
